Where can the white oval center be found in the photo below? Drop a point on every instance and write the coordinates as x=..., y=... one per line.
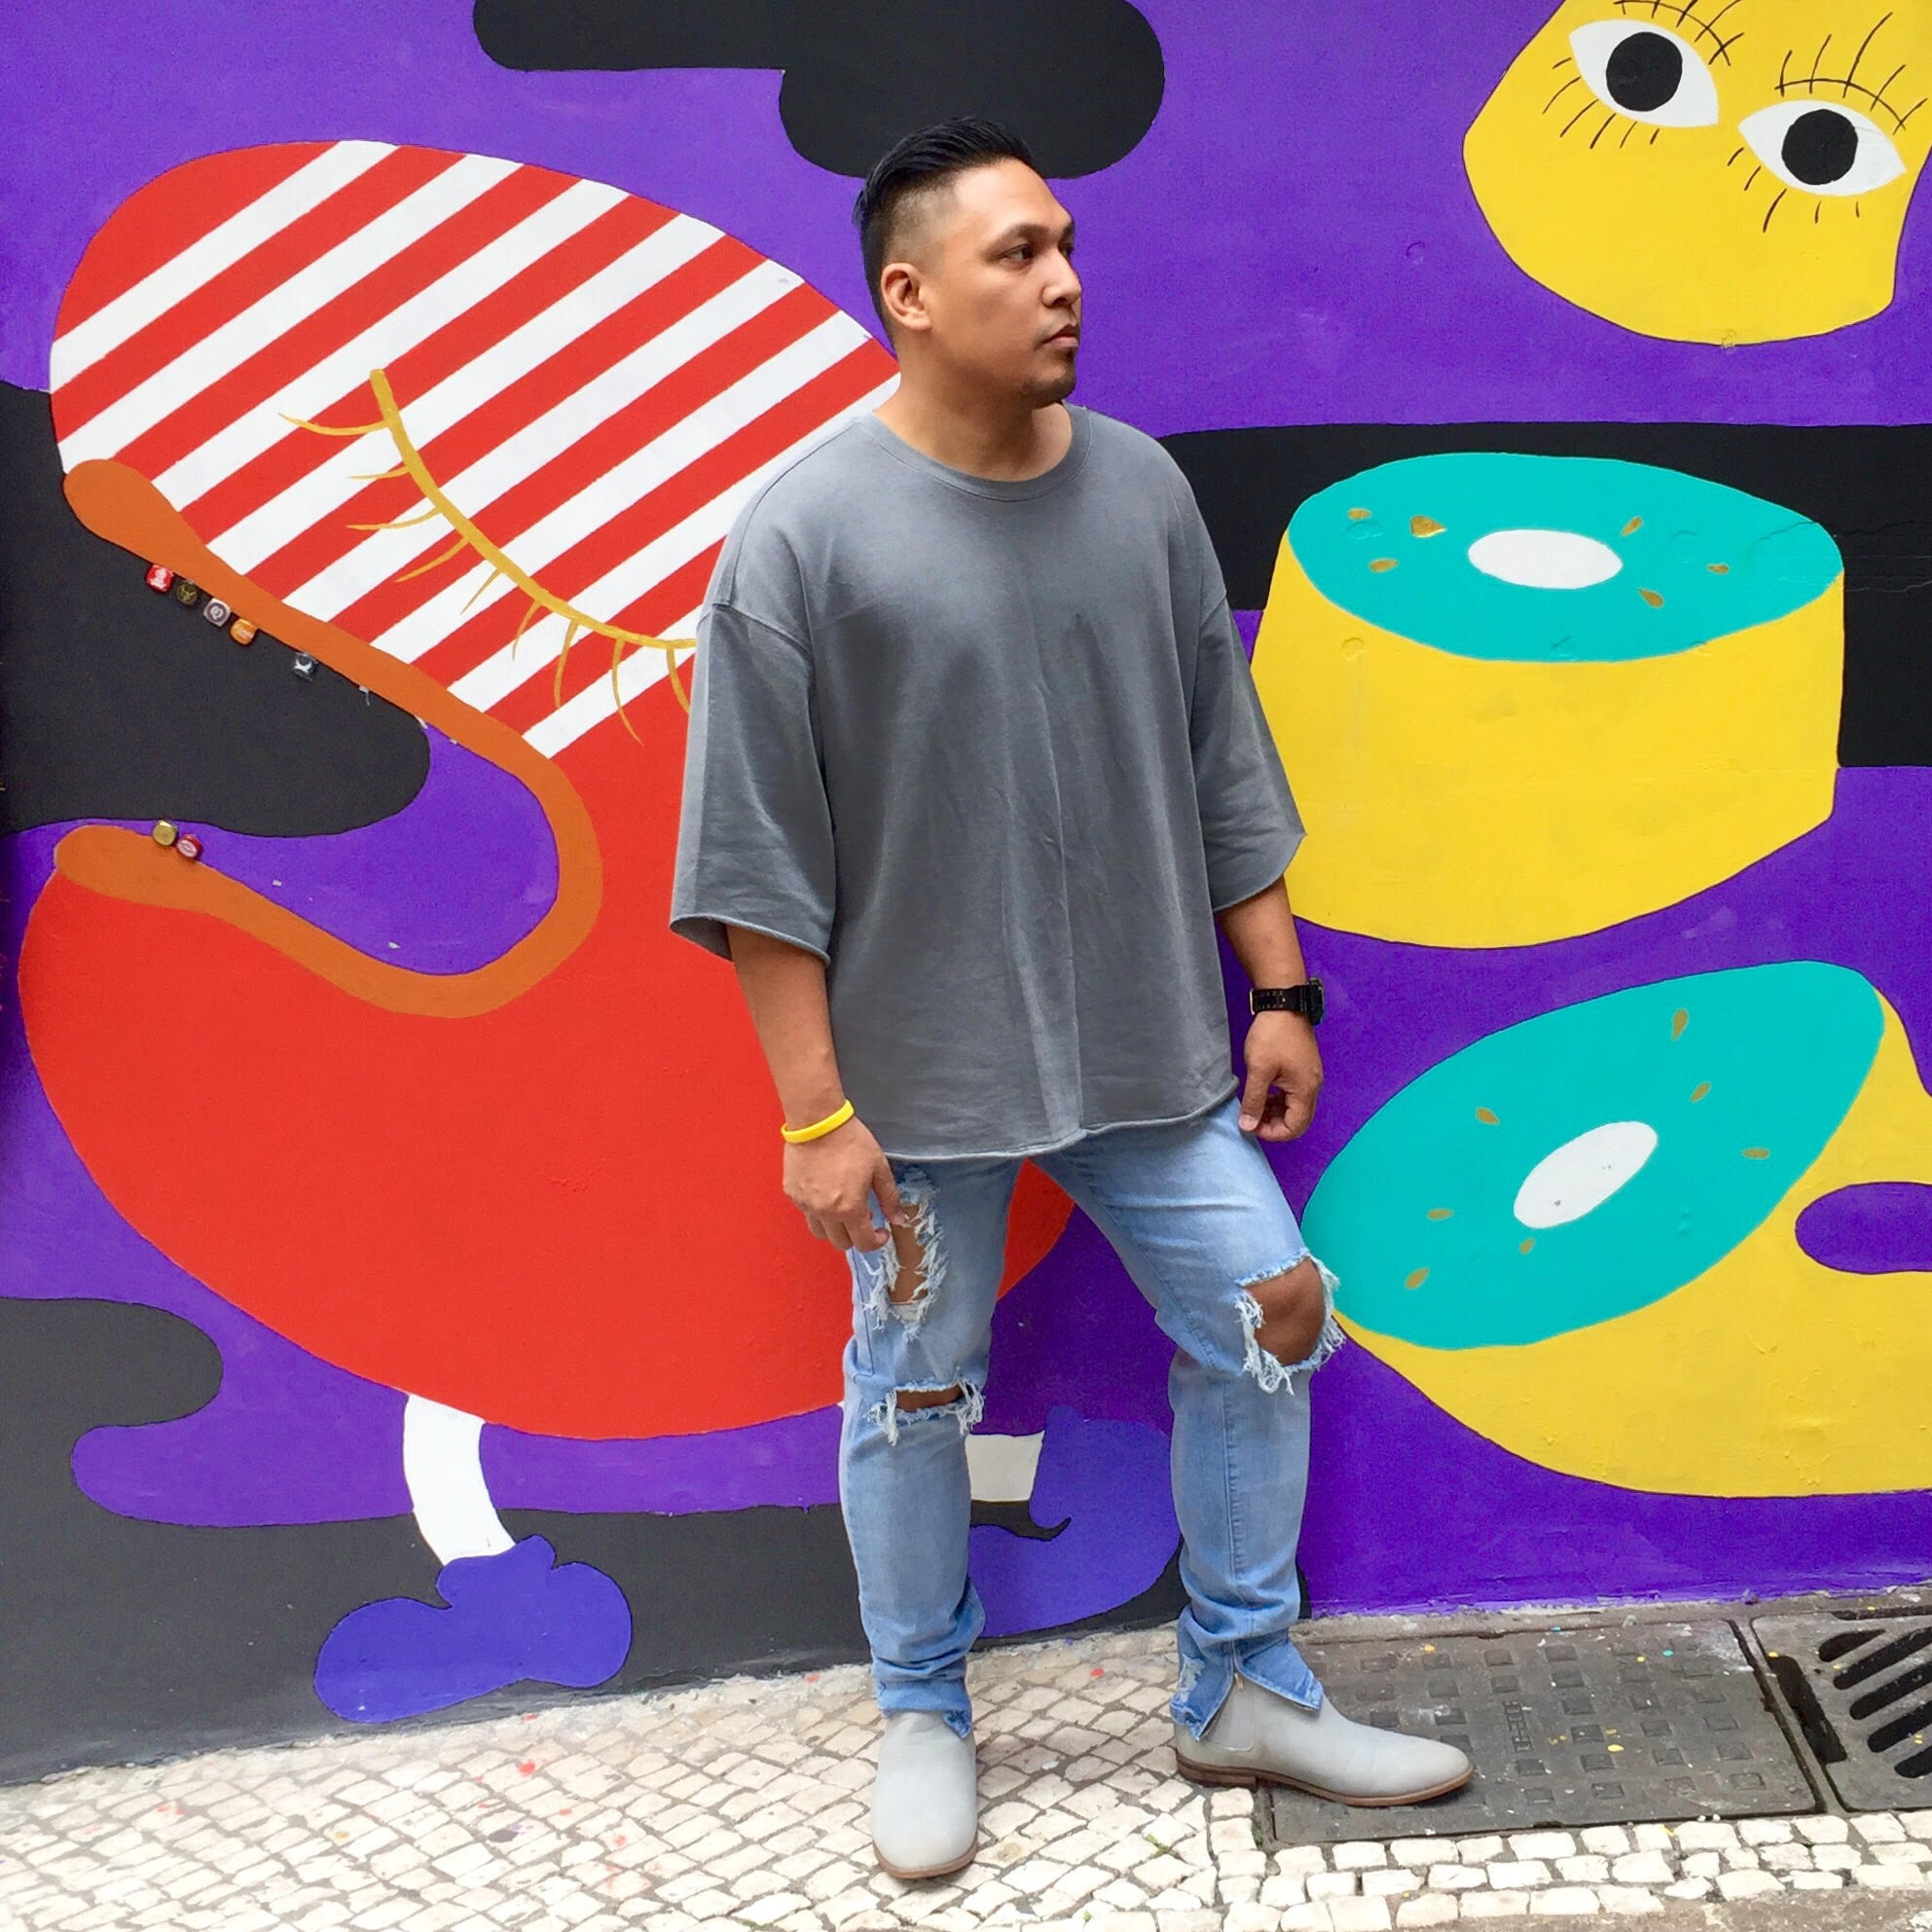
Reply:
x=1544, y=560
x=1582, y=1174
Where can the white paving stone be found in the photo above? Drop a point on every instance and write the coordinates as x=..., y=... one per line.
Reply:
x=1642, y=1868
x=1893, y=1877
x=1824, y=1830
x=1428, y=1910
x=1629, y=1901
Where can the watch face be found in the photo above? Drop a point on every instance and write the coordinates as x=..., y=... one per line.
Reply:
x=1315, y=1002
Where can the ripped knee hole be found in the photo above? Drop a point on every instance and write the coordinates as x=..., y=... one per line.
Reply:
x=929, y=1397
x=1294, y=1309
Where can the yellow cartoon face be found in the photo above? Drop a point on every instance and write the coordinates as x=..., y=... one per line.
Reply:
x=1711, y=170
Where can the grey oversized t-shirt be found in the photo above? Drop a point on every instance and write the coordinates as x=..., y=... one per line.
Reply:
x=993, y=751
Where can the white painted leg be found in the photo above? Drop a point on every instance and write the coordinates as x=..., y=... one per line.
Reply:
x=443, y=1466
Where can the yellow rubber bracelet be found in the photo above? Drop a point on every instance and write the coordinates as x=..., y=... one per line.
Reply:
x=818, y=1127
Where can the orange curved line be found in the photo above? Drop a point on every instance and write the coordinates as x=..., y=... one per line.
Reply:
x=117, y=503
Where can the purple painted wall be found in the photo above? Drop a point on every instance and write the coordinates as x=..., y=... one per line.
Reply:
x=1294, y=241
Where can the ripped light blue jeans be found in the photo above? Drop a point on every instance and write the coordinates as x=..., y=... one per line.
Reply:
x=1194, y=1212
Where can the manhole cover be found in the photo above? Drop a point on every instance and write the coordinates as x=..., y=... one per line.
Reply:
x=1589, y=1726
x=1860, y=1687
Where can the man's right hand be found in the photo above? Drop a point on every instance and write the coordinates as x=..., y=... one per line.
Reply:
x=831, y=1182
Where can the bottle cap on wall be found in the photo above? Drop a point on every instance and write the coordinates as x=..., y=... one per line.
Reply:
x=160, y=577
x=188, y=846
x=304, y=665
x=187, y=593
x=242, y=631
x=216, y=611
x=165, y=833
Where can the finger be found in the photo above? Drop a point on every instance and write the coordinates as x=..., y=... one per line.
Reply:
x=1297, y=1115
x=888, y=1191
x=1255, y=1095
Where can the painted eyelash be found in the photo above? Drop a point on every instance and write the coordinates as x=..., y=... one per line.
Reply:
x=1686, y=15
x=469, y=537
x=1849, y=84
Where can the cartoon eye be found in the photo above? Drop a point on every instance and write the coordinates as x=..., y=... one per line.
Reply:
x=1825, y=150
x=1646, y=73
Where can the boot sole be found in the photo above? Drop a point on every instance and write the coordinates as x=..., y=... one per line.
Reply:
x=928, y=1871
x=1236, y=1774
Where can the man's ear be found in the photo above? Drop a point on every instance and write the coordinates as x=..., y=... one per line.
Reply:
x=904, y=298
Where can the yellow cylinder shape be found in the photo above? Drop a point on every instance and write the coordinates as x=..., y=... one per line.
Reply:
x=1521, y=698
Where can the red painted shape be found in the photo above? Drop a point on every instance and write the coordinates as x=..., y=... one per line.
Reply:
x=564, y=1216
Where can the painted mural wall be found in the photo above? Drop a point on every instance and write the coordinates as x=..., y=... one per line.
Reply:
x=398, y=1309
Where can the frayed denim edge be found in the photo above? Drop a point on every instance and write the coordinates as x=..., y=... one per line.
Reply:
x=890, y=1417
x=1266, y=1369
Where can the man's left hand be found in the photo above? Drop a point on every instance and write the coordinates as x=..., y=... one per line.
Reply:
x=1284, y=1076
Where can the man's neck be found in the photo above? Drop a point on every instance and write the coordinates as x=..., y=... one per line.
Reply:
x=1002, y=441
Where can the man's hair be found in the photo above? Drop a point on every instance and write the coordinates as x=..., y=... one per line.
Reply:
x=915, y=166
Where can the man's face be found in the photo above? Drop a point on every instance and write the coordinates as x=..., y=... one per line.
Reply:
x=997, y=297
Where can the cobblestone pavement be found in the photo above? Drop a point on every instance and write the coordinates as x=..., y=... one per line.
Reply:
x=742, y=1804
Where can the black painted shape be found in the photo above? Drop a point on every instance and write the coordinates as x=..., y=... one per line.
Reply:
x=128, y=1641
x=1081, y=81
x=119, y=704
x=1871, y=488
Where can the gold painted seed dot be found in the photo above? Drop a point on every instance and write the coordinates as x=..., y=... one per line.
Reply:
x=1416, y=1280
x=1440, y=1214
x=1652, y=598
x=1357, y=516
x=1382, y=566
x=1679, y=1020
x=1700, y=1091
x=1487, y=1118
x=1425, y=526
x=1634, y=527
x=1757, y=1153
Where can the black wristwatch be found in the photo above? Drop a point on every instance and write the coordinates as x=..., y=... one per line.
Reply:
x=1306, y=1000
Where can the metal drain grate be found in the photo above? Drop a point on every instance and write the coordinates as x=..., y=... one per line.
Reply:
x=1860, y=1687
x=1589, y=1726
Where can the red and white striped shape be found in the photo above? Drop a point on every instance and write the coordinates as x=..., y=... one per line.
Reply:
x=598, y=382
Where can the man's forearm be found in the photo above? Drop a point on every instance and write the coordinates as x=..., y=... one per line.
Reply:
x=1261, y=931
x=784, y=987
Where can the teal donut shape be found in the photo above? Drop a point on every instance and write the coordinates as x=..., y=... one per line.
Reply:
x=1556, y=559
x=1591, y=1161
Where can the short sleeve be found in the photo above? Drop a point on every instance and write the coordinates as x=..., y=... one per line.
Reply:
x=754, y=829
x=1250, y=825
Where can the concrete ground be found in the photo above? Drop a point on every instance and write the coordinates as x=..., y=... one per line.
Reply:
x=742, y=1804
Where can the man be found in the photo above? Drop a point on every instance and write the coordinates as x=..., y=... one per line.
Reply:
x=975, y=762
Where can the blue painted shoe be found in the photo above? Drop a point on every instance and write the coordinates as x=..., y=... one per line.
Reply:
x=515, y=1617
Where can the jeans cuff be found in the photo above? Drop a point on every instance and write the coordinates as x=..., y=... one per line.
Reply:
x=1273, y=1663
x=950, y=1700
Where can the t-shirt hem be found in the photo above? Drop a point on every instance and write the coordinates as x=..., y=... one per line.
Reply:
x=1228, y=1091
x=696, y=927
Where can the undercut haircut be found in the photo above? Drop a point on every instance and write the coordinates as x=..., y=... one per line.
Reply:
x=913, y=169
